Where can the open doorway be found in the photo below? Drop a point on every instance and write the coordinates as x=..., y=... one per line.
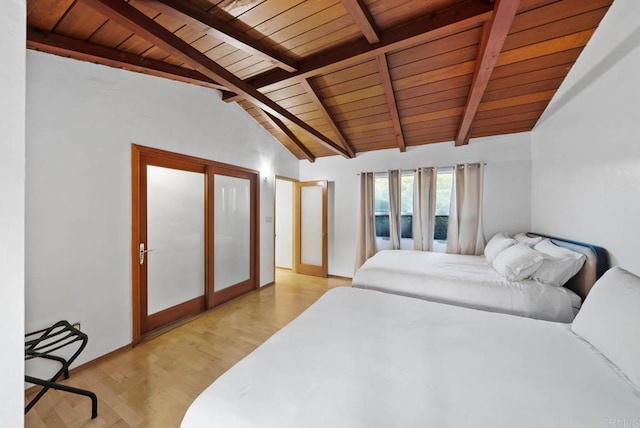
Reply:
x=301, y=226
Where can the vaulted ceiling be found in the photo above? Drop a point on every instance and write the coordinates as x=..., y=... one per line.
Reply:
x=328, y=77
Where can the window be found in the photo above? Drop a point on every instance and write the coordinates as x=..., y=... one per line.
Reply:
x=443, y=203
x=381, y=188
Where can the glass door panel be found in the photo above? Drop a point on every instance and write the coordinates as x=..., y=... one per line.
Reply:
x=311, y=228
x=311, y=225
x=175, y=237
x=232, y=231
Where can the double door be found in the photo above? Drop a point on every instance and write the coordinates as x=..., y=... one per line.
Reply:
x=195, y=236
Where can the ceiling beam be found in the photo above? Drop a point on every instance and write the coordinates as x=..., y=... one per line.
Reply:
x=278, y=124
x=363, y=19
x=390, y=96
x=456, y=19
x=146, y=28
x=493, y=36
x=322, y=107
x=184, y=11
x=85, y=51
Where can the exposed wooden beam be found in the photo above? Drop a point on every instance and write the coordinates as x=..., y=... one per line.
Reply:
x=184, y=11
x=390, y=96
x=462, y=17
x=310, y=90
x=363, y=19
x=85, y=51
x=146, y=28
x=278, y=124
x=493, y=36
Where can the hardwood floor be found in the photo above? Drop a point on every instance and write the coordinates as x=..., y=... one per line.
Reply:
x=153, y=384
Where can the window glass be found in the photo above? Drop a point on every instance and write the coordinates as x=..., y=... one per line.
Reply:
x=443, y=203
x=381, y=191
x=381, y=188
x=406, y=193
x=382, y=207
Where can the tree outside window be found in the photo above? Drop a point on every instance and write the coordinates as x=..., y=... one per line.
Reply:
x=443, y=202
x=381, y=190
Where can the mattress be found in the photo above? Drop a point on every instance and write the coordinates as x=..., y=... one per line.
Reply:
x=468, y=281
x=361, y=358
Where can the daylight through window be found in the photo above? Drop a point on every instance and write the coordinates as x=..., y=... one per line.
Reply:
x=381, y=188
x=443, y=199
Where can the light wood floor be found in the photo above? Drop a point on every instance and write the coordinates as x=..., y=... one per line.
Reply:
x=153, y=384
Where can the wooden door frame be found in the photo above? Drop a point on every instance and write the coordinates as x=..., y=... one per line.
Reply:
x=138, y=210
x=275, y=213
x=323, y=270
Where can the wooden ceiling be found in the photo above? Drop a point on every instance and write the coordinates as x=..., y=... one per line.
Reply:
x=328, y=77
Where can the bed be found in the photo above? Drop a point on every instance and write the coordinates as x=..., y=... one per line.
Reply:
x=362, y=358
x=472, y=282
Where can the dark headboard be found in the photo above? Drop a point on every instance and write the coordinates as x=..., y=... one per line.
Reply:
x=595, y=266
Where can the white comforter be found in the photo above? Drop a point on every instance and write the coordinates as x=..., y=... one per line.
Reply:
x=364, y=359
x=468, y=281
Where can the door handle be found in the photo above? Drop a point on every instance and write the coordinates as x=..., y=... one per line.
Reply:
x=143, y=252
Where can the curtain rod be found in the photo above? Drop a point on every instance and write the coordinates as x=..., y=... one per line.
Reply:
x=439, y=167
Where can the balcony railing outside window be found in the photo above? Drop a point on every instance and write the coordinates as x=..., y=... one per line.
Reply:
x=406, y=226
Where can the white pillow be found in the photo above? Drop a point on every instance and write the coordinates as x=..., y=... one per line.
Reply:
x=610, y=320
x=560, y=264
x=524, y=239
x=518, y=262
x=497, y=244
x=547, y=247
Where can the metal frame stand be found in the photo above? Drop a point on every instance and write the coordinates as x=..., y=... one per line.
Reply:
x=41, y=344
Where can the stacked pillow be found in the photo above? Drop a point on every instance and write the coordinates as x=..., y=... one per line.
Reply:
x=518, y=262
x=497, y=244
x=537, y=258
x=559, y=264
x=523, y=238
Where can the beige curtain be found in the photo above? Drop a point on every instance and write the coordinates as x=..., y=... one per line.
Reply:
x=394, y=208
x=366, y=233
x=424, y=208
x=465, y=235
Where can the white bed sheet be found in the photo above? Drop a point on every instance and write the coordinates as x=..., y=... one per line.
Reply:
x=359, y=358
x=468, y=281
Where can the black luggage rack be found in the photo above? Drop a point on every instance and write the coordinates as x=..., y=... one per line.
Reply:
x=41, y=344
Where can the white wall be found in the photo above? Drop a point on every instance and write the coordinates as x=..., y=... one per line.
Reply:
x=81, y=121
x=284, y=224
x=507, y=187
x=12, y=184
x=586, y=148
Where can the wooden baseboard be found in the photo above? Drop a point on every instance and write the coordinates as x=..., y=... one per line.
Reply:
x=341, y=277
x=84, y=366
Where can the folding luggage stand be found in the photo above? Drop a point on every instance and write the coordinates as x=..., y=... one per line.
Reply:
x=41, y=344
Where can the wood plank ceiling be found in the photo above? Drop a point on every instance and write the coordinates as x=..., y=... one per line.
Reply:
x=329, y=77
